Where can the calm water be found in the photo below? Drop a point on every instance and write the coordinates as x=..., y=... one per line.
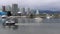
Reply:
x=52, y=20
x=44, y=26
x=33, y=20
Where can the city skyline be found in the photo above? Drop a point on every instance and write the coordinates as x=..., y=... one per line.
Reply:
x=38, y=4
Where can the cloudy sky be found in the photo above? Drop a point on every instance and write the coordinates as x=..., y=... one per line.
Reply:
x=41, y=4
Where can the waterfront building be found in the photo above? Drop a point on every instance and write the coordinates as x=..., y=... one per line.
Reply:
x=8, y=8
x=32, y=11
x=14, y=9
x=23, y=11
x=28, y=11
x=3, y=8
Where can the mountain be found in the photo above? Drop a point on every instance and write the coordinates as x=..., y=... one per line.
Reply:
x=50, y=12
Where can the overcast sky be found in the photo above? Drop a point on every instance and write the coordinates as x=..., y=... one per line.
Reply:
x=41, y=4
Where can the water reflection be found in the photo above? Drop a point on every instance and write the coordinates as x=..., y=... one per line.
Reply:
x=15, y=27
x=29, y=20
x=34, y=20
x=27, y=29
x=52, y=20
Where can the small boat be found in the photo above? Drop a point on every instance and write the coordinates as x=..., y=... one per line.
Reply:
x=10, y=22
x=48, y=17
x=3, y=16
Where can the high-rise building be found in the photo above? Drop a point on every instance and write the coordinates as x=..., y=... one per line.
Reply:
x=28, y=11
x=8, y=8
x=14, y=9
x=3, y=8
x=23, y=10
x=32, y=11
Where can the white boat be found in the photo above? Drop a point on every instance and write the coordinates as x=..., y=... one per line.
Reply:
x=48, y=17
x=10, y=22
x=3, y=16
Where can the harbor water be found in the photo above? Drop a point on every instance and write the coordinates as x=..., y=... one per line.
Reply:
x=32, y=26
